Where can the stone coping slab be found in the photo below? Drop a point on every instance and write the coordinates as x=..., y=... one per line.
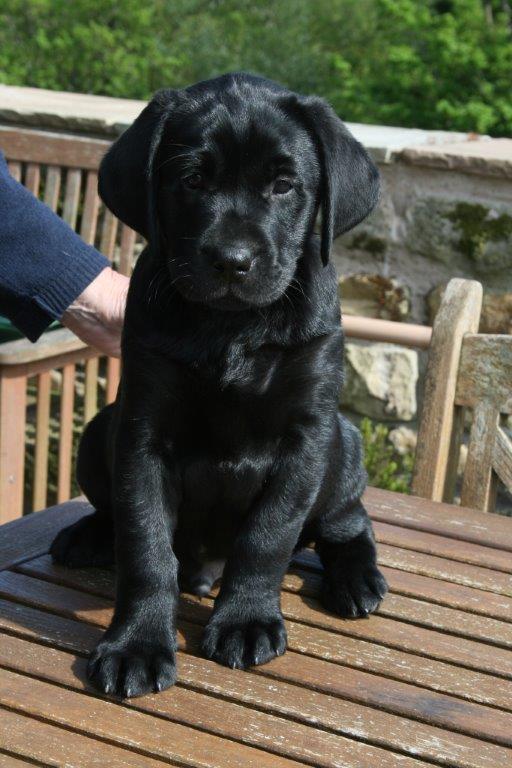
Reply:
x=107, y=116
x=491, y=158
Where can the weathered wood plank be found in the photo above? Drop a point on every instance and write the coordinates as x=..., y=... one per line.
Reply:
x=90, y=210
x=446, y=570
x=39, y=490
x=13, y=402
x=21, y=144
x=128, y=237
x=91, y=389
x=113, y=376
x=452, y=595
x=72, y=196
x=33, y=178
x=479, y=482
x=440, y=546
x=502, y=458
x=108, y=234
x=15, y=169
x=52, y=187
x=8, y=761
x=321, y=645
x=458, y=315
x=131, y=729
x=49, y=745
x=67, y=399
x=443, y=519
x=225, y=717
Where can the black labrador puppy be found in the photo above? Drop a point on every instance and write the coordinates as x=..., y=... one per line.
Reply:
x=225, y=451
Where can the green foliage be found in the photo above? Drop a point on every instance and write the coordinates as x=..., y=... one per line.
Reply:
x=432, y=64
x=385, y=466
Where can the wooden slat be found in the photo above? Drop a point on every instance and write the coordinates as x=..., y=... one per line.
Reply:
x=20, y=144
x=13, y=403
x=49, y=745
x=66, y=433
x=446, y=570
x=479, y=483
x=52, y=187
x=468, y=599
x=42, y=438
x=90, y=210
x=255, y=727
x=33, y=178
x=126, y=250
x=91, y=389
x=22, y=539
x=108, y=234
x=15, y=169
x=53, y=344
x=458, y=315
x=502, y=458
x=432, y=517
x=319, y=645
x=72, y=196
x=129, y=728
x=433, y=544
x=8, y=761
x=113, y=376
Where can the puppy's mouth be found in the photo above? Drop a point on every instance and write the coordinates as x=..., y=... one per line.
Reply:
x=229, y=296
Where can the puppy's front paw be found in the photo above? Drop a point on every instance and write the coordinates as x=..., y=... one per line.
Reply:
x=239, y=644
x=353, y=590
x=132, y=667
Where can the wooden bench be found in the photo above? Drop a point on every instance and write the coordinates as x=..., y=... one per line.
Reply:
x=426, y=681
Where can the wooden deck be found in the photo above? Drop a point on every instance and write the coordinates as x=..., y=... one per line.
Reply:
x=427, y=681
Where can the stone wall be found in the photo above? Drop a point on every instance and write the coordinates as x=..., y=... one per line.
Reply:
x=445, y=211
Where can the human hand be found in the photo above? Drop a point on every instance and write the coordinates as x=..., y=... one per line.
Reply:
x=97, y=315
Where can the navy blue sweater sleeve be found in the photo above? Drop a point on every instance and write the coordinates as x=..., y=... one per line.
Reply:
x=44, y=264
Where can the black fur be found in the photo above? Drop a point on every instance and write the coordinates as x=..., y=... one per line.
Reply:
x=225, y=441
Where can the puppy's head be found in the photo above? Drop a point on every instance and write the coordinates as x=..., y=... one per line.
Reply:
x=226, y=178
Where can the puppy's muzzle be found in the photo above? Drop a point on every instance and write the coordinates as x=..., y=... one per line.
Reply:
x=232, y=263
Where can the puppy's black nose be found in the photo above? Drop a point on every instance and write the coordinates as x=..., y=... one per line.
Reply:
x=232, y=263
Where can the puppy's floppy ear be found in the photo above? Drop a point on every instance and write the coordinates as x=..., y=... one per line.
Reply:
x=349, y=178
x=126, y=171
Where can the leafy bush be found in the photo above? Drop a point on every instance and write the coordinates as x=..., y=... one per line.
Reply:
x=385, y=466
x=426, y=63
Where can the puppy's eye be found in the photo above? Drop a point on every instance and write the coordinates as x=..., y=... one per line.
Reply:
x=281, y=187
x=194, y=181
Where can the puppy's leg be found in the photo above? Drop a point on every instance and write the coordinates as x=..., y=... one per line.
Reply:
x=90, y=541
x=352, y=583
x=137, y=653
x=247, y=626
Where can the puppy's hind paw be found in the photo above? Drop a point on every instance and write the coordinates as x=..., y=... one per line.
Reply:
x=353, y=592
x=88, y=542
